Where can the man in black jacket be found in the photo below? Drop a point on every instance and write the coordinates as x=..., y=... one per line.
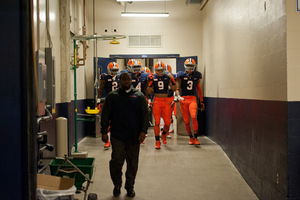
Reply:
x=126, y=111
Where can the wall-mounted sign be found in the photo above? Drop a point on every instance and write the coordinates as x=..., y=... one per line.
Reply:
x=298, y=6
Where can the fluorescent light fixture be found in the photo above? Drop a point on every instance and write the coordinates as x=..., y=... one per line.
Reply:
x=144, y=14
x=141, y=0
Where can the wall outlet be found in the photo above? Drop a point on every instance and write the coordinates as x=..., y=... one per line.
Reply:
x=114, y=29
x=105, y=30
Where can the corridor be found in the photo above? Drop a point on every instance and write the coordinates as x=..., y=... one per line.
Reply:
x=178, y=171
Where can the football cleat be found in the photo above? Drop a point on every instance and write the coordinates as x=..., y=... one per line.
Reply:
x=196, y=142
x=168, y=135
x=191, y=141
x=107, y=145
x=164, y=138
x=157, y=145
x=171, y=131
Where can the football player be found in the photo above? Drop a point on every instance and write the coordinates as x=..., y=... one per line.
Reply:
x=173, y=104
x=159, y=83
x=109, y=82
x=139, y=79
x=129, y=63
x=189, y=83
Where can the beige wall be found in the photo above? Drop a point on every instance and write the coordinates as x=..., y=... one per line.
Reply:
x=244, y=49
x=245, y=46
x=293, y=51
x=178, y=37
x=45, y=40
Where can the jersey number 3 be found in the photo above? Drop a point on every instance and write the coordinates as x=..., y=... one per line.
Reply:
x=189, y=85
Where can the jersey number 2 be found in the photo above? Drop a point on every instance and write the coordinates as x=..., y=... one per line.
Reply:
x=114, y=85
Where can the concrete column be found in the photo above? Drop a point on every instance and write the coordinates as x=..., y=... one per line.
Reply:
x=65, y=42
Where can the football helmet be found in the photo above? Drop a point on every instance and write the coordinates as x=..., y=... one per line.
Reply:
x=136, y=67
x=146, y=70
x=113, y=68
x=168, y=68
x=129, y=63
x=189, y=65
x=160, y=68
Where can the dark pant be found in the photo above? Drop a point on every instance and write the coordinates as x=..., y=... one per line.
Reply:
x=120, y=152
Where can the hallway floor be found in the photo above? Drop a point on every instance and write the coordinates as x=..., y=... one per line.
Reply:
x=177, y=171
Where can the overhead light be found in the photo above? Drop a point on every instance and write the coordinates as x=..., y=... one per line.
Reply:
x=141, y=0
x=114, y=41
x=144, y=14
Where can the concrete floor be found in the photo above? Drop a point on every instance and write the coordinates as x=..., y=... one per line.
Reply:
x=177, y=171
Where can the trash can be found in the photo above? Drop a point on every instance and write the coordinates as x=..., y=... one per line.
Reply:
x=61, y=136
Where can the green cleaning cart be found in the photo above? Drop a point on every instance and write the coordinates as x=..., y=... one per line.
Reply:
x=79, y=168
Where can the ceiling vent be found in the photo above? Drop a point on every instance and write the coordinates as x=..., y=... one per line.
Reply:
x=144, y=41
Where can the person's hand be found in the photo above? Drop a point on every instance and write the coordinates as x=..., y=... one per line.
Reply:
x=150, y=77
x=181, y=100
x=99, y=107
x=105, y=138
x=202, y=107
x=142, y=137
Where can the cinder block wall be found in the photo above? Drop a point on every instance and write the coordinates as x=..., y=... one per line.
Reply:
x=246, y=89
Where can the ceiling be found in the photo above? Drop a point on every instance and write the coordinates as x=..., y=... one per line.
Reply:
x=110, y=10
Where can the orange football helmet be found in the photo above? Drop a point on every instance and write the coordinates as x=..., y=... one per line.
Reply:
x=136, y=67
x=168, y=68
x=113, y=68
x=146, y=69
x=160, y=68
x=129, y=63
x=189, y=65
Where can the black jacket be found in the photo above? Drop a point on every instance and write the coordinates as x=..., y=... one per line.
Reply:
x=126, y=113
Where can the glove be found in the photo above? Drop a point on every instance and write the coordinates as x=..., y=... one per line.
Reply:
x=151, y=77
x=175, y=98
x=181, y=100
x=149, y=105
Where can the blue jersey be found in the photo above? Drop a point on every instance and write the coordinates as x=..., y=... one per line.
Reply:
x=161, y=84
x=111, y=83
x=189, y=84
x=140, y=82
x=171, y=92
x=125, y=70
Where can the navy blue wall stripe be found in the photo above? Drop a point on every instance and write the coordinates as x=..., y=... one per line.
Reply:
x=294, y=150
x=254, y=134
